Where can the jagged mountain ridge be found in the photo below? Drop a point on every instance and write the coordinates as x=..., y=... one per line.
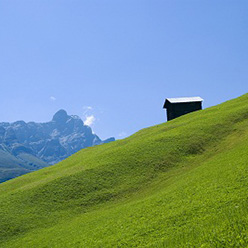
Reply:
x=31, y=146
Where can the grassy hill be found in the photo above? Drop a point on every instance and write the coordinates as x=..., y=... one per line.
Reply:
x=12, y=166
x=179, y=184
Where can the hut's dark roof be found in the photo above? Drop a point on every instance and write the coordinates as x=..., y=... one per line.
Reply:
x=182, y=100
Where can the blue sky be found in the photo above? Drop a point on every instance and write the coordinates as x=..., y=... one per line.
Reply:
x=113, y=62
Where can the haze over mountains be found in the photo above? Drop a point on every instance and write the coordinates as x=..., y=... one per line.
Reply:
x=26, y=147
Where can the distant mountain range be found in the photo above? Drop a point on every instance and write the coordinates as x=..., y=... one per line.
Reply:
x=26, y=147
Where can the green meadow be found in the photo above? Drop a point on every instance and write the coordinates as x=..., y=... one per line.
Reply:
x=183, y=183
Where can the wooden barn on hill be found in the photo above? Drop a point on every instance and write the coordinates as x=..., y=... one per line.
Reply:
x=180, y=106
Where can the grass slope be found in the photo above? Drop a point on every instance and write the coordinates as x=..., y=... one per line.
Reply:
x=179, y=184
x=16, y=164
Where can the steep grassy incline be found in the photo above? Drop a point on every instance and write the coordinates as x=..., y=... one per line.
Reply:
x=179, y=184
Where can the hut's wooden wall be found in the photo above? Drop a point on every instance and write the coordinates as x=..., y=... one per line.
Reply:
x=175, y=110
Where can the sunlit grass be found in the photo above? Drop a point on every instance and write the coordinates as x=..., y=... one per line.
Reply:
x=179, y=184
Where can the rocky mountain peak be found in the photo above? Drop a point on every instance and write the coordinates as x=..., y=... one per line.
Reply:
x=61, y=116
x=35, y=145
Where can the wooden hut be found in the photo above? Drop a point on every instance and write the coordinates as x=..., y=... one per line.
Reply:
x=180, y=106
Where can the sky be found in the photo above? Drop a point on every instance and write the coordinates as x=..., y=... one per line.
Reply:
x=113, y=62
